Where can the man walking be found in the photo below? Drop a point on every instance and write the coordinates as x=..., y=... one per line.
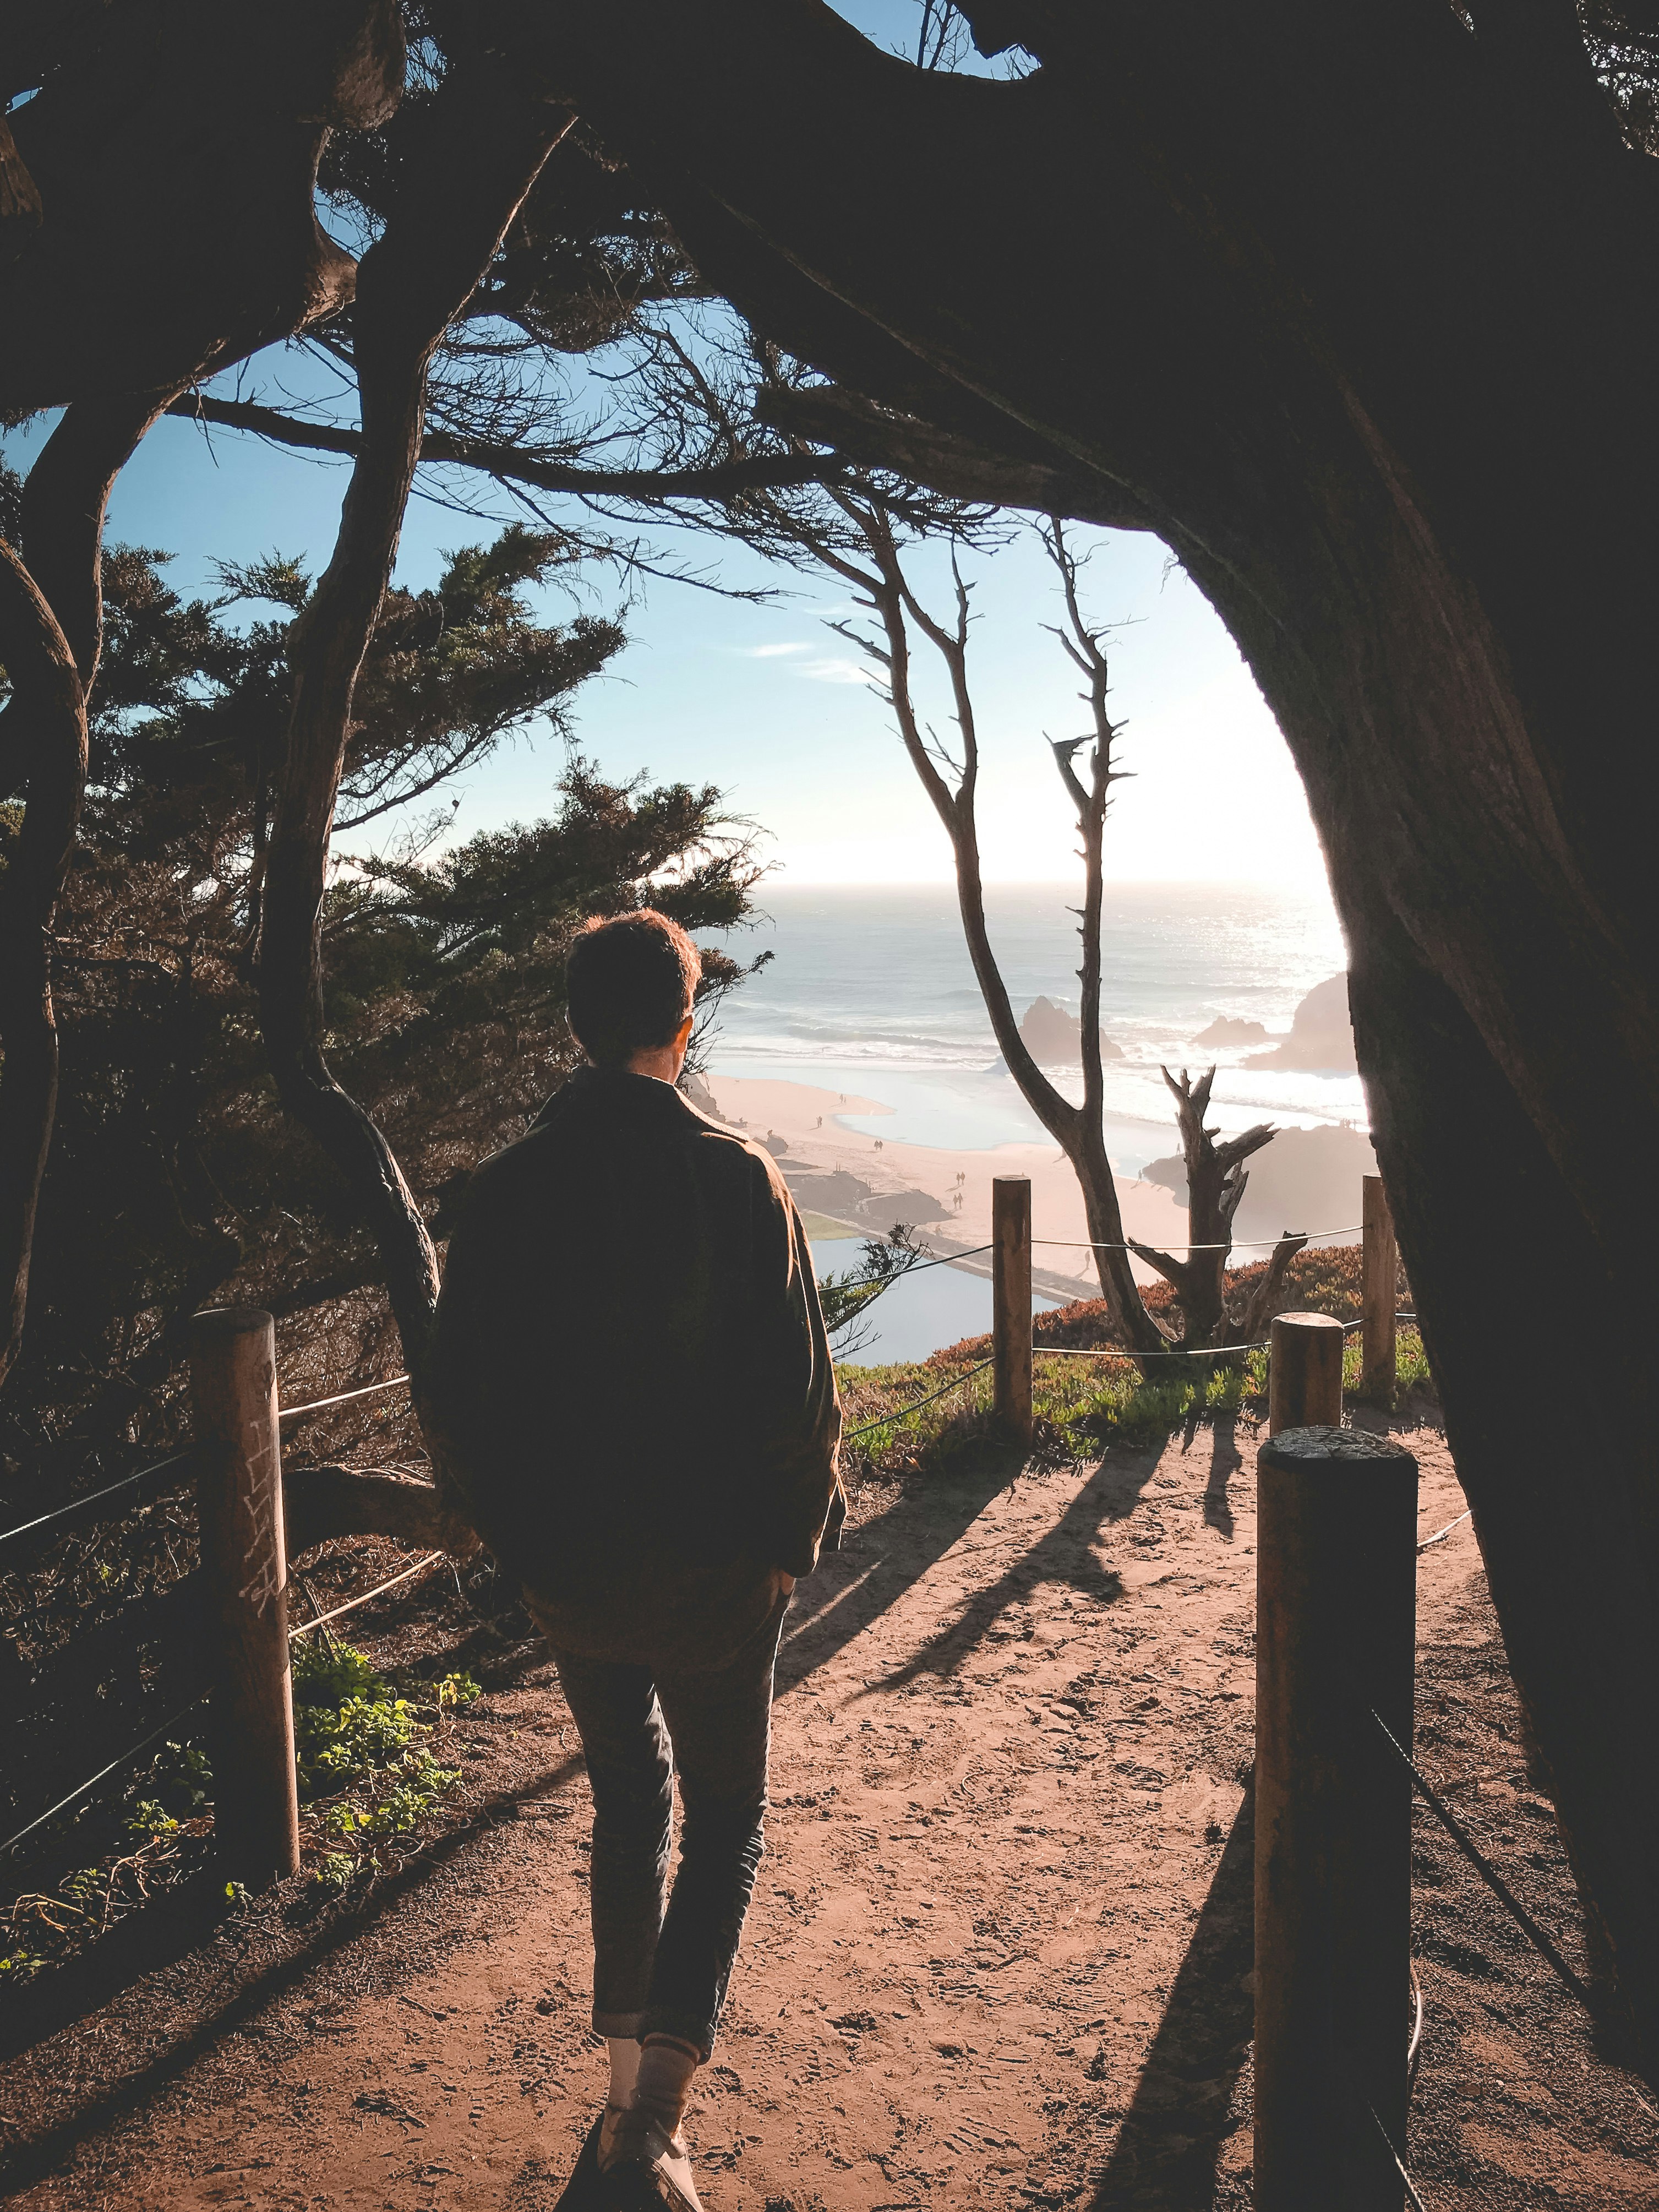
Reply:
x=632, y=1391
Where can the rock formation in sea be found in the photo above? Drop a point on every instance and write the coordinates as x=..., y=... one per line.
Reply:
x=1054, y=1038
x=1320, y=1041
x=1305, y=1179
x=1229, y=1029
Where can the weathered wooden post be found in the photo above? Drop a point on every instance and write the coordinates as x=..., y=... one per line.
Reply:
x=1336, y=1598
x=233, y=1376
x=1379, y=1292
x=1305, y=1371
x=1010, y=1302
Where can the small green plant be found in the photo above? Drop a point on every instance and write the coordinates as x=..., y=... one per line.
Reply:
x=364, y=1765
x=1411, y=1369
x=351, y=1727
x=457, y=1690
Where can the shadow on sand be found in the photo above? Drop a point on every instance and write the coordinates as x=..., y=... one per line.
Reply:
x=1164, y=2159
x=1166, y=2154
x=854, y=1587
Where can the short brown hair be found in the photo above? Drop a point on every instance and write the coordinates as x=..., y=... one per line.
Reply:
x=629, y=982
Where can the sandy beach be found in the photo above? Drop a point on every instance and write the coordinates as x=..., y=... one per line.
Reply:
x=811, y=1121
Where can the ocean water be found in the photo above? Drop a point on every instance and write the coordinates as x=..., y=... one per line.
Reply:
x=921, y=1312
x=870, y=992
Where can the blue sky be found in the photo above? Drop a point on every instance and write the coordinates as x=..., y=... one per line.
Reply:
x=768, y=703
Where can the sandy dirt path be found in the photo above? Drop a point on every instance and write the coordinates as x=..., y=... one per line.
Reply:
x=1000, y=1947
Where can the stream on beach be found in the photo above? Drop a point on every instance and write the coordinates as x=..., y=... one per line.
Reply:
x=921, y=1313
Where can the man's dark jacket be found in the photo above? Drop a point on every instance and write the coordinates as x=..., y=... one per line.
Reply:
x=630, y=1382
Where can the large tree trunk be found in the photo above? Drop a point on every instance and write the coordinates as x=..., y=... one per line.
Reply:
x=1356, y=309
x=486, y=139
x=51, y=626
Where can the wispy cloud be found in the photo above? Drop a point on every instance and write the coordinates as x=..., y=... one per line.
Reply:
x=840, y=669
x=771, y=651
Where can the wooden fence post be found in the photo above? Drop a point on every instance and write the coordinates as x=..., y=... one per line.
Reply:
x=1336, y=1597
x=1380, y=1277
x=233, y=1376
x=1010, y=1302
x=1304, y=1372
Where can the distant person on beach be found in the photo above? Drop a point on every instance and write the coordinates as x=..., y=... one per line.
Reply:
x=632, y=1394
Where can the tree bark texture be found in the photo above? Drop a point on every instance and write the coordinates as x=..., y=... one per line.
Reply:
x=51, y=619
x=486, y=141
x=1365, y=328
x=45, y=722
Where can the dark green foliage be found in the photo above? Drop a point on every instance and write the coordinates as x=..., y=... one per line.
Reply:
x=175, y=1180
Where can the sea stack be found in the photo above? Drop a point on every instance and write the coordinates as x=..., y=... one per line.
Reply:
x=1230, y=1029
x=1054, y=1038
x=1320, y=1041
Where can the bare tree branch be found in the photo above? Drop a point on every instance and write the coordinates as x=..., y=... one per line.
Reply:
x=719, y=480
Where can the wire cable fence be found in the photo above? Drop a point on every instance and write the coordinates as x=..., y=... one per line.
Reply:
x=406, y=1574
x=244, y=1572
x=84, y=1788
x=81, y=1508
x=1164, y=1352
x=1233, y=1245
x=1488, y=1873
x=904, y=1412
x=341, y=1397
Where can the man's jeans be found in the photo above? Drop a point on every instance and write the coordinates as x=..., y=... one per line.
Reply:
x=656, y=1972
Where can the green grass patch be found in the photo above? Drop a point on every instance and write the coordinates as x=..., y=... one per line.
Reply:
x=1080, y=1404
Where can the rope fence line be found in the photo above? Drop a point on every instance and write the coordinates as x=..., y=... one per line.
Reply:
x=1167, y=1351
x=1237, y=1243
x=939, y=1259
x=352, y=1604
x=344, y=1398
x=1441, y=1535
x=1483, y=1866
x=903, y=1275
x=1400, y=2167
x=103, y=1773
x=904, y=1411
x=80, y=1505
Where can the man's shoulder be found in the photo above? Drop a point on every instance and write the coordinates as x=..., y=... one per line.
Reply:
x=737, y=1154
x=572, y=1118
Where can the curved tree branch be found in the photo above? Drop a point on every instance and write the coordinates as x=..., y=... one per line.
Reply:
x=45, y=723
x=50, y=617
x=64, y=500
x=1014, y=471
x=486, y=140
x=719, y=480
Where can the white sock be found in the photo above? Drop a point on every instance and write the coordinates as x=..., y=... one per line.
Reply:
x=663, y=2086
x=625, y=2052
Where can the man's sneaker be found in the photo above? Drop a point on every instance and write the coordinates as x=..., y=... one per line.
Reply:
x=643, y=2170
